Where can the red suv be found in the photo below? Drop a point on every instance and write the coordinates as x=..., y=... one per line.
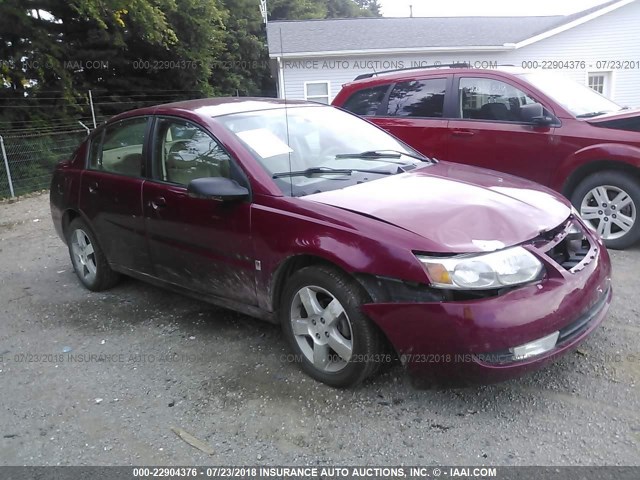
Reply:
x=536, y=125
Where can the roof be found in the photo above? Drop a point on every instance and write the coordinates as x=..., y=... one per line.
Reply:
x=384, y=77
x=216, y=107
x=397, y=34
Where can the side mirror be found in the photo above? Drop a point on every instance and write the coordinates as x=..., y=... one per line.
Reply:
x=217, y=188
x=534, y=113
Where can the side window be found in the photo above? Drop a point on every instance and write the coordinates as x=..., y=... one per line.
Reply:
x=418, y=98
x=121, y=148
x=184, y=152
x=366, y=102
x=488, y=99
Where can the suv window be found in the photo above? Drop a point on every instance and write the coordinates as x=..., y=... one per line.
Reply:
x=418, y=98
x=366, y=102
x=184, y=152
x=120, y=150
x=488, y=99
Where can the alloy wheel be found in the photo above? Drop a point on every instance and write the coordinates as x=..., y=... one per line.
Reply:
x=83, y=255
x=321, y=328
x=610, y=210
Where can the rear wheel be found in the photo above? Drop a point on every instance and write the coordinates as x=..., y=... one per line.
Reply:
x=88, y=260
x=609, y=201
x=322, y=321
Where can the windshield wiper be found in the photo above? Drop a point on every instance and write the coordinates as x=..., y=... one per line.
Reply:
x=331, y=171
x=382, y=154
x=592, y=114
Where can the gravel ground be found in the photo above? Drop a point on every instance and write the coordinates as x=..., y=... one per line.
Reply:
x=143, y=360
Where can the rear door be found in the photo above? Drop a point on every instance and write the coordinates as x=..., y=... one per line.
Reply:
x=414, y=111
x=111, y=192
x=197, y=243
x=489, y=131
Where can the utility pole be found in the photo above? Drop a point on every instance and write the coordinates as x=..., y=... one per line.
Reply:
x=263, y=11
x=411, y=11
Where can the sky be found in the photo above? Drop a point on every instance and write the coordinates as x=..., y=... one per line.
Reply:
x=436, y=8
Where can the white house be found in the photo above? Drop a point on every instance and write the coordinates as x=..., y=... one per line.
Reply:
x=599, y=47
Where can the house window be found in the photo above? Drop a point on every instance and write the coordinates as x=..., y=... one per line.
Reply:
x=597, y=81
x=601, y=82
x=317, y=91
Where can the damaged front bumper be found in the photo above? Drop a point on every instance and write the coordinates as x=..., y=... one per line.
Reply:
x=493, y=339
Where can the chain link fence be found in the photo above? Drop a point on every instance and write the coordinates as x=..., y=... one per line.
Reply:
x=30, y=149
x=28, y=160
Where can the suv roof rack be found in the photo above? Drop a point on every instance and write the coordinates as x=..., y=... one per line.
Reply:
x=443, y=65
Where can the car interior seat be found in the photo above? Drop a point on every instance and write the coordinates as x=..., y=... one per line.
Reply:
x=130, y=165
x=495, y=111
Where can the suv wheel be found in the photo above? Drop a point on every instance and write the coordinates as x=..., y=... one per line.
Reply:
x=609, y=201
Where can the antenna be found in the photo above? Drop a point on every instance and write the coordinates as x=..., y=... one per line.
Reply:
x=286, y=109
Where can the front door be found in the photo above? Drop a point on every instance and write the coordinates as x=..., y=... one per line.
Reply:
x=201, y=244
x=490, y=133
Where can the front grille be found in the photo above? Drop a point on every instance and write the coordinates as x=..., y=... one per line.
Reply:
x=570, y=253
x=568, y=246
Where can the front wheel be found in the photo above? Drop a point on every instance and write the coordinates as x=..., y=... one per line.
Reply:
x=609, y=201
x=334, y=341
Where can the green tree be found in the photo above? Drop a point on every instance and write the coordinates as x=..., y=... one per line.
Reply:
x=315, y=9
x=297, y=9
x=373, y=6
x=345, y=9
x=132, y=53
x=242, y=66
x=115, y=46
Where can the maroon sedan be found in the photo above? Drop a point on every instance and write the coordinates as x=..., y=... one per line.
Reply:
x=536, y=125
x=310, y=217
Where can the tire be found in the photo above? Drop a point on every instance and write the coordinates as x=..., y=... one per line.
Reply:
x=609, y=201
x=359, y=346
x=88, y=259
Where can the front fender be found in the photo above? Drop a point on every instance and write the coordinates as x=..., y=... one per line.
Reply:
x=280, y=234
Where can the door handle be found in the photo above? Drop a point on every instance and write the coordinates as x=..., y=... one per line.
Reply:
x=158, y=203
x=93, y=187
x=463, y=133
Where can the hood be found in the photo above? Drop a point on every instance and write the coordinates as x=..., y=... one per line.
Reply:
x=628, y=119
x=457, y=208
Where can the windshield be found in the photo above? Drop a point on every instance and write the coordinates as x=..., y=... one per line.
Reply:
x=315, y=149
x=580, y=100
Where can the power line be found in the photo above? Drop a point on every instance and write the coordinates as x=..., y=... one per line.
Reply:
x=70, y=105
x=125, y=91
x=36, y=99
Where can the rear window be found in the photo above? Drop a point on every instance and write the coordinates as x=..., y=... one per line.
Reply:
x=366, y=102
x=418, y=98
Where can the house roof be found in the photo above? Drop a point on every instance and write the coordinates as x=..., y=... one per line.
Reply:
x=311, y=37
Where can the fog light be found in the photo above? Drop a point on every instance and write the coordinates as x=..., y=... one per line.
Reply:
x=535, y=348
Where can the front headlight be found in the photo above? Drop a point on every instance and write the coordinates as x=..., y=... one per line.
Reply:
x=505, y=268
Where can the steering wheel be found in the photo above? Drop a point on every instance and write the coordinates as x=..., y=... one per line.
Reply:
x=178, y=146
